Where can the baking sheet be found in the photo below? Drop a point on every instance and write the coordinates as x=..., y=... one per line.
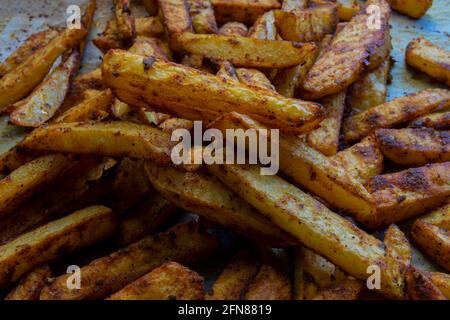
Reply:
x=21, y=18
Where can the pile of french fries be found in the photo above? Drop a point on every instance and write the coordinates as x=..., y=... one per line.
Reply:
x=95, y=171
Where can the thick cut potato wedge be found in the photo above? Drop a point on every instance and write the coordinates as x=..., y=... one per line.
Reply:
x=254, y=77
x=235, y=278
x=347, y=289
x=33, y=43
x=370, y=89
x=414, y=147
x=439, y=217
x=154, y=82
x=394, y=113
x=326, y=137
x=348, y=53
x=420, y=287
x=429, y=58
x=290, y=5
x=208, y=197
x=171, y=281
x=242, y=10
x=318, y=228
x=184, y=243
x=42, y=104
x=47, y=243
x=269, y=284
x=264, y=27
x=171, y=124
x=306, y=25
x=442, y=281
x=233, y=28
x=116, y=139
x=405, y=194
x=176, y=20
x=146, y=46
x=347, y=9
x=412, y=8
x=247, y=52
x=363, y=160
x=124, y=19
x=436, y=121
x=16, y=85
x=31, y=285
x=202, y=15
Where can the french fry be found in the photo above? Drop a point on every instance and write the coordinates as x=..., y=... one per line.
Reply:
x=184, y=243
x=436, y=121
x=202, y=15
x=235, y=278
x=414, y=8
x=347, y=56
x=306, y=25
x=442, y=281
x=44, y=244
x=176, y=19
x=208, y=197
x=420, y=287
x=326, y=137
x=171, y=281
x=314, y=225
x=146, y=46
x=232, y=28
x=124, y=19
x=414, y=147
x=269, y=284
x=347, y=289
x=264, y=27
x=30, y=286
x=405, y=194
x=122, y=70
x=429, y=58
x=116, y=138
x=16, y=85
x=246, y=11
x=394, y=113
x=290, y=5
x=363, y=160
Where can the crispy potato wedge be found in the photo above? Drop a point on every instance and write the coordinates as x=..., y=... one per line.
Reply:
x=247, y=52
x=306, y=25
x=16, y=85
x=115, y=138
x=42, y=104
x=227, y=71
x=172, y=124
x=347, y=289
x=290, y=5
x=442, y=281
x=394, y=113
x=269, y=284
x=420, y=287
x=347, y=9
x=429, y=58
x=314, y=225
x=184, y=243
x=264, y=27
x=30, y=285
x=348, y=53
x=45, y=244
x=246, y=11
x=146, y=46
x=122, y=70
x=254, y=77
x=149, y=27
x=363, y=160
x=410, y=192
x=412, y=8
x=176, y=20
x=312, y=170
x=232, y=28
x=326, y=137
x=208, y=197
x=235, y=278
x=33, y=43
x=124, y=19
x=202, y=16
x=370, y=89
x=436, y=121
x=414, y=146
x=171, y=281
x=439, y=217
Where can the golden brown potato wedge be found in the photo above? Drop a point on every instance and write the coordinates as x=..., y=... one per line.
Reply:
x=348, y=53
x=172, y=124
x=436, y=121
x=363, y=160
x=394, y=113
x=16, y=85
x=347, y=289
x=232, y=28
x=115, y=138
x=306, y=25
x=255, y=78
x=146, y=46
x=420, y=287
x=149, y=27
x=123, y=70
x=429, y=58
x=184, y=243
x=290, y=5
x=125, y=20
x=264, y=27
x=412, y=8
x=31, y=285
x=309, y=221
x=176, y=20
x=45, y=244
x=246, y=11
x=439, y=217
x=442, y=281
x=171, y=281
x=227, y=71
x=326, y=137
x=347, y=9
x=269, y=284
x=414, y=146
x=208, y=197
x=410, y=192
x=202, y=15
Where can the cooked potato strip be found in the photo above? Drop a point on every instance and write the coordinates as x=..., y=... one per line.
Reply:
x=124, y=19
x=420, y=287
x=30, y=285
x=264, y=27
x=290, y=5
x=442, y=281
x=269, y=284
x=202, y=15
x=232, y=28
x=412, y=8
x=176, y=19
x=347, y=289
x=437, y=121
x=242, y=10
